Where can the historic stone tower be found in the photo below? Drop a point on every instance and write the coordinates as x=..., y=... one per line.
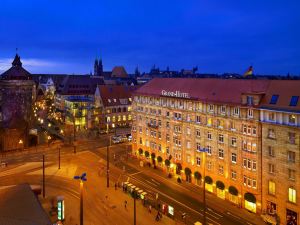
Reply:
x=17, y=94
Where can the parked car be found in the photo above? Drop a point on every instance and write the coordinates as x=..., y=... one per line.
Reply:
x=115, y=139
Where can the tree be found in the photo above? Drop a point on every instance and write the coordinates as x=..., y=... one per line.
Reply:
x=146, y=154
x=159, y=159
x=140, y=151
x=178, y=168
x=197, y=176
x=153, y=155
x=188, y=173
x=167, y=163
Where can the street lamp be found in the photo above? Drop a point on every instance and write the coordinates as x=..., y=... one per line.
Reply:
x=81, y=178
x=204, y=150
x=49, y=138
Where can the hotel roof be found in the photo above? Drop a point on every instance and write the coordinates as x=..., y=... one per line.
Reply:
x=113, y=95
x=228, y=91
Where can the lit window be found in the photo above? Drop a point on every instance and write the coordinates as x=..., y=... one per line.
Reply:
x=210, y=108
x=221, y=138
x=250, y=113
x=221, y=153
x=209, y=150
x=109, y=100
x=233, y=157
x=221, y=169
x=198, y=161
x=198, y=119
x=223, y=109
x=254, y=184
x=292, y=195
x=292, y=119
x=236, y=111
x=209, y=136
x=271, y=187
x=197, y=133
x=209, y=121
x=233, y=175
x=271, y=116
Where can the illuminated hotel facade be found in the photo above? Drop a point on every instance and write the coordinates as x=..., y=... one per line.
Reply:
x=176, y=119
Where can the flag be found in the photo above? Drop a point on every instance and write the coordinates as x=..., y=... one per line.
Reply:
x=249, y=72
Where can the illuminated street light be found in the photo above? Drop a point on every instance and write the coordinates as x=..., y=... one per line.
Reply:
x=49, y=124
x=81, y=178
x=20, y=141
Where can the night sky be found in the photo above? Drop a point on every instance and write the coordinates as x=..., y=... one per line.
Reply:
x=65, y=36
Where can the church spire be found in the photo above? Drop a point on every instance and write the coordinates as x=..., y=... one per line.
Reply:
x=17, y=61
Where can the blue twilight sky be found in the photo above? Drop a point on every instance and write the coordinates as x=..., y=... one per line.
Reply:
x=65, y=36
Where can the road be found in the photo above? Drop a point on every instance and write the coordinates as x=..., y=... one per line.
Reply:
x=183, y=199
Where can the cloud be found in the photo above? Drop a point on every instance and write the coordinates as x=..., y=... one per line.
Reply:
x=29, y=63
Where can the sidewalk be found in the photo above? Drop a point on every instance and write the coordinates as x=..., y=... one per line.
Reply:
x=214, y=202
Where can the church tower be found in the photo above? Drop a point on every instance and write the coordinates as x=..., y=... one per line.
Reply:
x=100, y=68
x=96, y=66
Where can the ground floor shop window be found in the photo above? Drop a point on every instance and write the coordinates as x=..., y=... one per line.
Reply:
x=221, y=193
x=291, y=217
x=233, y=198
x=250, y=206
x=209, y=187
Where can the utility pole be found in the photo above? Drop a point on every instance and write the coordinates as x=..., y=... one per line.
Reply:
x=58, y=157
x=81, y=202
x=107, y=166
x=43, y=176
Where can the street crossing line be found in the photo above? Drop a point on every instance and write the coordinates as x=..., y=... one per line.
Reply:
x=136, y=173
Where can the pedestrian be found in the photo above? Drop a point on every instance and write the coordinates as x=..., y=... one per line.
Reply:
x=150, y=207
x=115, y=186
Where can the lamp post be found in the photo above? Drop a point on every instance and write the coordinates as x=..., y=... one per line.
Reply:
x=81, y=178
x=58, y=157
x=107, y=162
x=204, y=150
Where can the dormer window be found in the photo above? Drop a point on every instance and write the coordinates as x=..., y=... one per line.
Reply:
x=249, y=100
x=115, y=100
x=223, y=109
x=210, y=108
x=274, y=99
x=294, y=101
x=236, y=111
x=109, y=100
x=292, y=119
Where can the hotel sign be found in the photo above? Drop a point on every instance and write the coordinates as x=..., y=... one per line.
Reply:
x=176, y=94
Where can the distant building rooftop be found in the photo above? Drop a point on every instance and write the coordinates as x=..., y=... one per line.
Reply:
x=19, y=206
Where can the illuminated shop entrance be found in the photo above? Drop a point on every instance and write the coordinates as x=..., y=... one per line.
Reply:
x=250, y=202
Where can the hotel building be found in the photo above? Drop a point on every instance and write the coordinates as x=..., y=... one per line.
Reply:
x=175, y=120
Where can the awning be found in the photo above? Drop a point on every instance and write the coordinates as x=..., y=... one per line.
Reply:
x=269, y=219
